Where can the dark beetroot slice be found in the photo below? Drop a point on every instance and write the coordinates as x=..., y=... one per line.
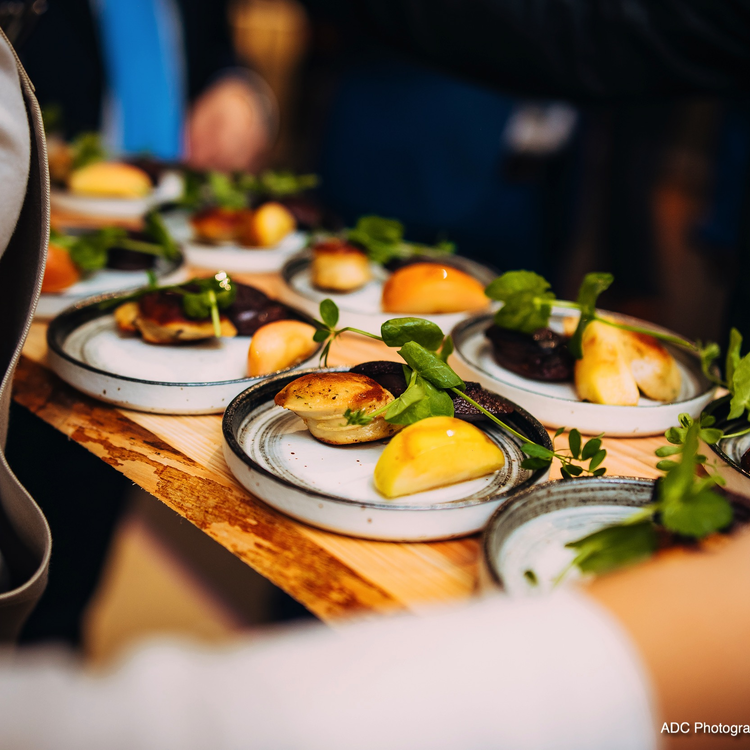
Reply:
x=390, y=375
x=542, y=355
x=745, y=461
x=129, y=260
x=252, y=309
x=495, y=405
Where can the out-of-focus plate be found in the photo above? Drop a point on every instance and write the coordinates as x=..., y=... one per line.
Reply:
x=362, y=307
x=530, y=533
x=87, y=351
x=558, y=404
x=108, y=280
x=273, y=455
x=169, y=188
x=731, y=450
x=231, y=257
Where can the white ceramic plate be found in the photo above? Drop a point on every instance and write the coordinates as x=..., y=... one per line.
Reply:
x=362, y=308
x=168, y=189
x=730, y=452
x=230, y=257
x=558, y=405
x=87, y=351
x=274, y=456
x=109, y=280
x=530, y=533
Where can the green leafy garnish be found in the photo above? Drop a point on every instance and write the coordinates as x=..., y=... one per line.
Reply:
x=527, y=301
x=89, y=251
x=277, y=183
x=87, y=148
x=592, y=286
x=684, y=505
x=573, y=462
x=383, y=241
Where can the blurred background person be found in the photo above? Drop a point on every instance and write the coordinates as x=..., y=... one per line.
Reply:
x=156, y=77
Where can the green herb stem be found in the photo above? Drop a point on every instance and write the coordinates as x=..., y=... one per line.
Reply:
x=491, y=416
x=357, y=330
x=678, y=340
x=149, y=248
x=214, y=313
x=736, y=434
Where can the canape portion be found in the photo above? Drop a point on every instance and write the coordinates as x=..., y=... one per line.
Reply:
x=435, y=452
x=432, y=288
x=60, y=272
x=160, y=319
x=339, y=267
x=321, y=400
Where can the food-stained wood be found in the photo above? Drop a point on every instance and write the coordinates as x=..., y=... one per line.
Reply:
x=179, y=460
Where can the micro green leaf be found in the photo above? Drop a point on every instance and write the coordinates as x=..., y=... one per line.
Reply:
x=559, y=431
x=591, y=448
x=537, y=451
x=329, y=312
x=446, y=349
x=592, y=286
x=574, y=441
x=530, y=576
x=733, y=353
x=668, y=450
x=740, y=388
x=597, y=460
x=527, y=301
x=399, y=331
x=615, y=546
x=534, y=464
x=430, y=366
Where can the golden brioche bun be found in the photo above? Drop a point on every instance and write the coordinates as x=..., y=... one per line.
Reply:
x=432, y=288
x=110, y=179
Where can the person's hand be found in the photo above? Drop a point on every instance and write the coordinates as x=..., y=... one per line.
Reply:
x=228, y=128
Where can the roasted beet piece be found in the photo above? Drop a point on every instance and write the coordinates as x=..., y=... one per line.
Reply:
x=542, y=355
x=494, y=404
x=252, y=309
x=390, y=375
x=745, y=461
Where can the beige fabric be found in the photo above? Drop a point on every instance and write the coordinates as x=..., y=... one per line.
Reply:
x=25, y=542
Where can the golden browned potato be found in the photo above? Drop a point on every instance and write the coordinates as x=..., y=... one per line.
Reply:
x=435, y=452
x=339, y=267
x=110, y=179
x=432, y=288
x=60, y=272
x=321, y=399
x=603, y=375
x=266, y=226
x=126, y=316
x=217, y=224
x=655, y=370
x=278, y=345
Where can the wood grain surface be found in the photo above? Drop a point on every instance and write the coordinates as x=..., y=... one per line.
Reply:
x=178, y=459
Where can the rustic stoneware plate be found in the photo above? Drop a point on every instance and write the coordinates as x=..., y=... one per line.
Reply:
x=731, y=450
x=168, y=189
x=231, y=257
x=523, y=547
x=558, y=404
x=109, y=280
x=362, y=308
x=273, y=455
x=87, y=351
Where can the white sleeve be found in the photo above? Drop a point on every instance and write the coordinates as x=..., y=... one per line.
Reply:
x=553, y=672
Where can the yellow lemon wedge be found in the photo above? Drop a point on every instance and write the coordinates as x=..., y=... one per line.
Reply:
x=435, y=452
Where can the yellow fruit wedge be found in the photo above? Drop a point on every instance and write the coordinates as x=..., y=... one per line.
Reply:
x=278, y=345
x=604, y=375
x=435, y=452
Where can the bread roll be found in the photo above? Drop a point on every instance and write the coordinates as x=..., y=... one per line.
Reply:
x=432, y=288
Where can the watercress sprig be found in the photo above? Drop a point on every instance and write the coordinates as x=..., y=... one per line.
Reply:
x=90, y=251
x=685, y=505
x=431, y=383
x=528, y=302
x=383, y=241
